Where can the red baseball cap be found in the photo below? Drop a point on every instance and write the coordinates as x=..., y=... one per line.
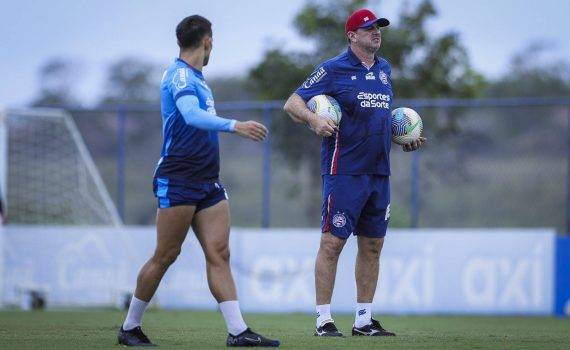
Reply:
x=363, y=18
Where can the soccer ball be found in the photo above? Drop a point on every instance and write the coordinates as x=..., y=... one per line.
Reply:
x=326, y=107
x=407, y=125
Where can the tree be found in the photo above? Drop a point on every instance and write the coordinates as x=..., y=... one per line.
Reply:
x=58, y=79
x=422, y=66
x=533, y=74
x=230, y=89
x=132, y=81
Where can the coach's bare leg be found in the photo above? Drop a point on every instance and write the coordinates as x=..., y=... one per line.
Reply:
x=172, y=225
x=367, y=267
x=212, y=228
x=325, y=266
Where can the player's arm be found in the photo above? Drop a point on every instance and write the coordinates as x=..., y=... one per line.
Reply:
x=297, y=109
x=189, y=107
x=318, y=83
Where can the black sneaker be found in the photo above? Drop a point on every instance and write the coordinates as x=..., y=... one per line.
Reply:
x=328, y=330
x=250, y=338
x=133, y=337
x=374, y=329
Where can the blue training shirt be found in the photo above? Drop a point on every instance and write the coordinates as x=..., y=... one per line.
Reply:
x=188, y=153
x=362, y=145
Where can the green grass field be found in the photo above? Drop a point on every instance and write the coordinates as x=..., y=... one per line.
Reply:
x=205, y=330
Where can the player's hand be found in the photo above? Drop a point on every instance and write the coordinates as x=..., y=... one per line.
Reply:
x=251, y=130
x=414, y=145
x=322, y=126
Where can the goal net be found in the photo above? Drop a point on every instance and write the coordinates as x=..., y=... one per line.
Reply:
x=47, y=174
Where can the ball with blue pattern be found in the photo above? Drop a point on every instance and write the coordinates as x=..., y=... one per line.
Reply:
x=406, y=125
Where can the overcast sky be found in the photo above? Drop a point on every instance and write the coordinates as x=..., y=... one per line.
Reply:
x=97, y=32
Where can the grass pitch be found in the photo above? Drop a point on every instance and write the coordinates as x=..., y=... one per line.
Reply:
x=205, y=330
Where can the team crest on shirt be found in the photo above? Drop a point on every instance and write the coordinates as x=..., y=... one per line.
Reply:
x=339, y=220
x=383, y=77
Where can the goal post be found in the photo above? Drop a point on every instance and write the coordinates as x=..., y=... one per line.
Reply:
x=47, y=175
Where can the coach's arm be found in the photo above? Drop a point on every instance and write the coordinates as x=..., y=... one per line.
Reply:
x=297, y=109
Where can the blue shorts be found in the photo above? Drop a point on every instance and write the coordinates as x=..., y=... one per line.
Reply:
x=356, y=204
x=171, y=193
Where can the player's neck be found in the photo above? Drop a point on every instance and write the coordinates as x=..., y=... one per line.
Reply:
x=363, y=55
x=194, y=58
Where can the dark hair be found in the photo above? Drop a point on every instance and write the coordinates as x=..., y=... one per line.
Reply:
x=191, y=30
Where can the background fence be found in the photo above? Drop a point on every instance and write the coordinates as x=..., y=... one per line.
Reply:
x=487, y=163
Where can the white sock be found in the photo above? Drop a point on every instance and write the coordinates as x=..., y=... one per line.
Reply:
x=363, y=315
x=135, y=314
x=323, y=314
x=232, y=315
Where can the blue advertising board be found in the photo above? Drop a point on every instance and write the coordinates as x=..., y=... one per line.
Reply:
x=479, y=271
x=562, y=278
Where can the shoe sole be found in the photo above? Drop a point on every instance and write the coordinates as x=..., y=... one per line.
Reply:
x=140, y=345
x=328, y=335
x=356, y=334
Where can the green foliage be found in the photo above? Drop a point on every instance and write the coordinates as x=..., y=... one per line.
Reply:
x=443, y=71
x=423, y=65
x=323, y=23
x=277, y=75
x=532, y=74
x=230, y=89
x=58, y=77
x=132, y=81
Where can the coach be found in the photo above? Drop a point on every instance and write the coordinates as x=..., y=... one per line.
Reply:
x=355, y=165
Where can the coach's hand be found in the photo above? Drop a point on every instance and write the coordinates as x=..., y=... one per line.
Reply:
x=251, y=130
x=414, y=145
x=322, y=126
